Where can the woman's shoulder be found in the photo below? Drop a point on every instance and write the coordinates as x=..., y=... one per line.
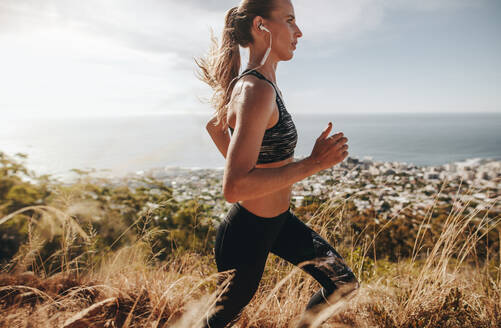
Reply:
x=251, y=90
x=253, y=101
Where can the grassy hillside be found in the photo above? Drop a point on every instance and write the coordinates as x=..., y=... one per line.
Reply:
x=96, y=253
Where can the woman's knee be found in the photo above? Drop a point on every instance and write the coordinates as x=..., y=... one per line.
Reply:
x=349, y=281
x=351, y=286
x=231, y=304
x=242, y=288
x=341, y=290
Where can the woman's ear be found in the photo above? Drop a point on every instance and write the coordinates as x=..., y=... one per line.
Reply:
x=257, y=22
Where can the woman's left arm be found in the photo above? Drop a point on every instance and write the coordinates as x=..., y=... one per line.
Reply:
x=219, y=136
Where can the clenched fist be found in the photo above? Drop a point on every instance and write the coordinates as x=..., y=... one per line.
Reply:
x=329, y=151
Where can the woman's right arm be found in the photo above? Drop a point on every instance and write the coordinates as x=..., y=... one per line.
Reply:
x=219, y=136
x=242, y=180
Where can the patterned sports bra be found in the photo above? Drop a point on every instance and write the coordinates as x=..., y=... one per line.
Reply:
x=280, y=140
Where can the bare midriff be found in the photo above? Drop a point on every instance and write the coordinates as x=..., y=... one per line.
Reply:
x=273, y=204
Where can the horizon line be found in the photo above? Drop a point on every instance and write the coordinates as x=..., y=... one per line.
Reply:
x=199, y=113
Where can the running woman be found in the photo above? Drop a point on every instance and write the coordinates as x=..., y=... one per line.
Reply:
x=260, y=169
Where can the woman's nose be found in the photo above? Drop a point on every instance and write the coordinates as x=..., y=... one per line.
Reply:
x=299, y=33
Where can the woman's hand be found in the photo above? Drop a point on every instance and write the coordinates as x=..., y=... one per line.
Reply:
x=329, y=151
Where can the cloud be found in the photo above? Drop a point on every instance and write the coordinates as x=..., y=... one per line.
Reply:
x=431, y=5
x=98, y=57
x=325, y=21
x=165, y=26
x=150, y=25
x=129, y=56
x=332, y=20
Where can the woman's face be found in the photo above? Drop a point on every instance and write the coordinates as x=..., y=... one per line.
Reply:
x=282, y=25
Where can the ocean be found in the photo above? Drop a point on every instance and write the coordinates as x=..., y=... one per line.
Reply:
x=120, y=145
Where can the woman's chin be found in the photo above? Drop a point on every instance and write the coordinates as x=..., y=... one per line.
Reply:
x=289, y=56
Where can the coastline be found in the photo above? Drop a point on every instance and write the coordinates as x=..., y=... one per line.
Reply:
x=123, y=145
x=387, y=187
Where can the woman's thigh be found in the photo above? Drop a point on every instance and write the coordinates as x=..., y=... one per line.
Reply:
x=244, y=240
x=235, y=249
x=298, y=243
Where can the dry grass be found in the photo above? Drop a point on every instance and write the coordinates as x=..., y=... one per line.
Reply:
x=444, y=288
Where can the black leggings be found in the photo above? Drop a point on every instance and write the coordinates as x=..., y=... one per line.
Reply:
x=243, y=242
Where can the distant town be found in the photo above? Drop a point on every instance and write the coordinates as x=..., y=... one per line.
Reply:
x=383, y=186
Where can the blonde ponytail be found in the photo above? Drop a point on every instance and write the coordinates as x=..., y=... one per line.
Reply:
x=220, y=67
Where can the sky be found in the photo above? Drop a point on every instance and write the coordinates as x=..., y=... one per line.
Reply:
x=68, y=58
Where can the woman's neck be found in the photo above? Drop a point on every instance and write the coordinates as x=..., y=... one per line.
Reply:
x=268, y=69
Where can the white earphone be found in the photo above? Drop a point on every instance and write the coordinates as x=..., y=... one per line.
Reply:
x=262, y=27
